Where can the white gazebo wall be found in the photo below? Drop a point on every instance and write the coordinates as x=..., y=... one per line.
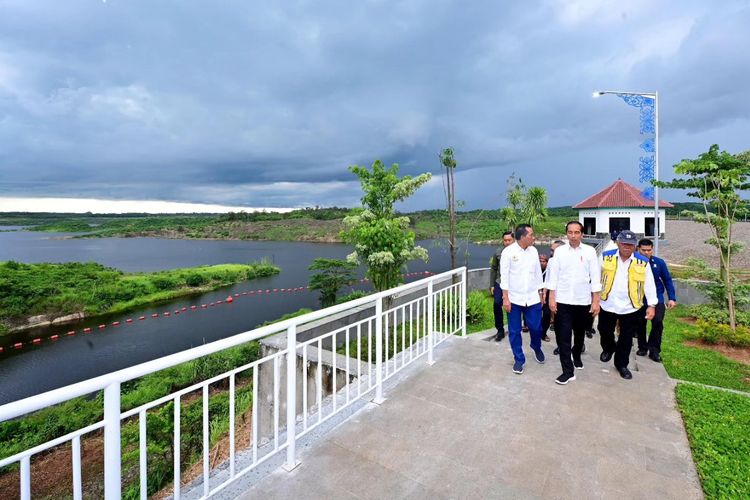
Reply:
x=637, y=218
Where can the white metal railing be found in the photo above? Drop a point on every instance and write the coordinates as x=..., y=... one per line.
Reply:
x=406, y=324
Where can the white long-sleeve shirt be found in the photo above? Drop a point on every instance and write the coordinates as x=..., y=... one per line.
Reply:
x=574, y=274
x=618, y=301
x=521, y=274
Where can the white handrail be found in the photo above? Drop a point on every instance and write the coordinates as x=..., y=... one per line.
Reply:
x=33, y=403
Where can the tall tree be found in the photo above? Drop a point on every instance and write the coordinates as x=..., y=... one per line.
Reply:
x=448, y=162
x=535, y=205
x=511, y=213
x=380, y=238
x=717, y=178
x=331, y=276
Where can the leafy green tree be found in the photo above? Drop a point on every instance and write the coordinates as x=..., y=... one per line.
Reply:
x=717, y=178
x=535, y=205
x=333, y=274
x=524, y=205
x=382, y=240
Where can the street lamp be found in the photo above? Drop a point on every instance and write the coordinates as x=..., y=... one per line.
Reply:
x=655, y=97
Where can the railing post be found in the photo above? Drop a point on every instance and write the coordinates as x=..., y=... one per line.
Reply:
x=291, y=397
x=464, y=286
x=379, y=399
x=430, y=322
x=112, y=458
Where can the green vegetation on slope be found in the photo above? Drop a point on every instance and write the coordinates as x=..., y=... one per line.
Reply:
x=60, y=289
x=718, y=427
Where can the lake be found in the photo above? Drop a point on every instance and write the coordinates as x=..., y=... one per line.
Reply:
x=49, y=365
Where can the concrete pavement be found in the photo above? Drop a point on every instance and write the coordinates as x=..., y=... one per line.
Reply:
x=468, y=427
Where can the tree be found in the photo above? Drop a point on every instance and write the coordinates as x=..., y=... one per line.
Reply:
x=535, y=205
x=449, y=184
x=333, y=275
x=511, y=213
x=523, y=205
x=380, y=238
x=717, y=178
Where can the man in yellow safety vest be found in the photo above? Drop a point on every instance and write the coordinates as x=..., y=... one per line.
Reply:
x=626, y=280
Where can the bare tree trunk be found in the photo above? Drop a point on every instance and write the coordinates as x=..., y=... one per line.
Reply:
x=452, y=216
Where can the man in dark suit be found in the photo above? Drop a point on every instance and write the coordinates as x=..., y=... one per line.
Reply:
x=663, y=281
x=495, y=291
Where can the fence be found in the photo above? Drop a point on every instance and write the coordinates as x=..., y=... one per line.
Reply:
x=303, y=375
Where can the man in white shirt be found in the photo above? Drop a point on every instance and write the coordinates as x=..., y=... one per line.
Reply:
x=574, y=282
x=521, y=282
x=626, y=280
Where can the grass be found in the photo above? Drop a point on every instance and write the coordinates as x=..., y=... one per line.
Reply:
x=61, y=289
x=695, y=364
x=718, y=427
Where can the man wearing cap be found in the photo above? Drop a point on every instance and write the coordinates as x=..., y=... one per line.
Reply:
x=626, y=280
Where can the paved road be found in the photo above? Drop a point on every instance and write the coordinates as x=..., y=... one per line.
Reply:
x=468, y=427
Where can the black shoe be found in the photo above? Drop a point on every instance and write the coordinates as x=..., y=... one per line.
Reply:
x=605, y=356
x=577, y=363
x=564, y=379
x=590, y=333
x=525, y=329
x=556, y=352
x=625, y=373
x=500, y=336
x=583, y=348
x=552, y=327
x=546, y=338
x=654, y=356
x=641, y=352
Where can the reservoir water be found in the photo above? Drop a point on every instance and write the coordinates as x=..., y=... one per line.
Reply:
x=37, y=368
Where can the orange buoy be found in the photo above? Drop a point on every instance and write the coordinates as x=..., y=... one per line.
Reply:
x=236, y=294
x=203, y=306
x=18, y=345
x=36, y=341
x=141, y=318
x=115, y=323
x=71, y=333
x=193, y=308
x=102, y=327
x=87, y=330
x=166, y=313
x=183, y=308
x=244, y=293
x=229, y=300
x=155, y=315
x=54, y=337
x=129, y=320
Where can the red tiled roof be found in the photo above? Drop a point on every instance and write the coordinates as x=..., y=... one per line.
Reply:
x=619, y=194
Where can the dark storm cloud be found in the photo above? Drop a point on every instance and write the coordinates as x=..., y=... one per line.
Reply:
x=267, y=103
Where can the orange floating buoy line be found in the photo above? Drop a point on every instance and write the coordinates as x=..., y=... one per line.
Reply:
x=228, y=300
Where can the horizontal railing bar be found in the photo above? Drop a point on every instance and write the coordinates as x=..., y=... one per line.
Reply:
x=333, y=332
x=51, y=444
x=199, y=385
x=53, y=397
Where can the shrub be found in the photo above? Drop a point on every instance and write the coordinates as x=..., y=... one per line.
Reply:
x=713, y=333
x=476, y=307
x=195, y=279
x=713, y=314
x=356, y=294
x=164, y=282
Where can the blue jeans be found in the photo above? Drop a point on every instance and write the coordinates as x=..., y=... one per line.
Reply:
x=533, y=318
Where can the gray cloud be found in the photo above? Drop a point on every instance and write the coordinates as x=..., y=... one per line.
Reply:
x=268, y=103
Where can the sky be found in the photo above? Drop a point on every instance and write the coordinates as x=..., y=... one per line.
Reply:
x=266, y=103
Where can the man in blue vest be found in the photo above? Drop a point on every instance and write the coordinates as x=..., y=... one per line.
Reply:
x=663, y=281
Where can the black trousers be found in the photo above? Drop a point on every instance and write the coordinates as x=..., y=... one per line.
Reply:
x=629, y=324
x=657, y=328
x=546, y=315
x=497, y=308
x=570, y=319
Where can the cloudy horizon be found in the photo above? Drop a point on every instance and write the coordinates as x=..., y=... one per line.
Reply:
x=266, y=105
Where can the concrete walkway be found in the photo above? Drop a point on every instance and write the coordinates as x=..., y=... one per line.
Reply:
x=468, y=427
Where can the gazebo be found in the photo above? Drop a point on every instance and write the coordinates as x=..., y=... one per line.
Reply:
x=617, y=207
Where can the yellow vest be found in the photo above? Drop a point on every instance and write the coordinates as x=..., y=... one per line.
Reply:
x=636, y=276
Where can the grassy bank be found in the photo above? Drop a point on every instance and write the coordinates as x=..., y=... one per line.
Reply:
x=56, y=290
x=321, y=225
